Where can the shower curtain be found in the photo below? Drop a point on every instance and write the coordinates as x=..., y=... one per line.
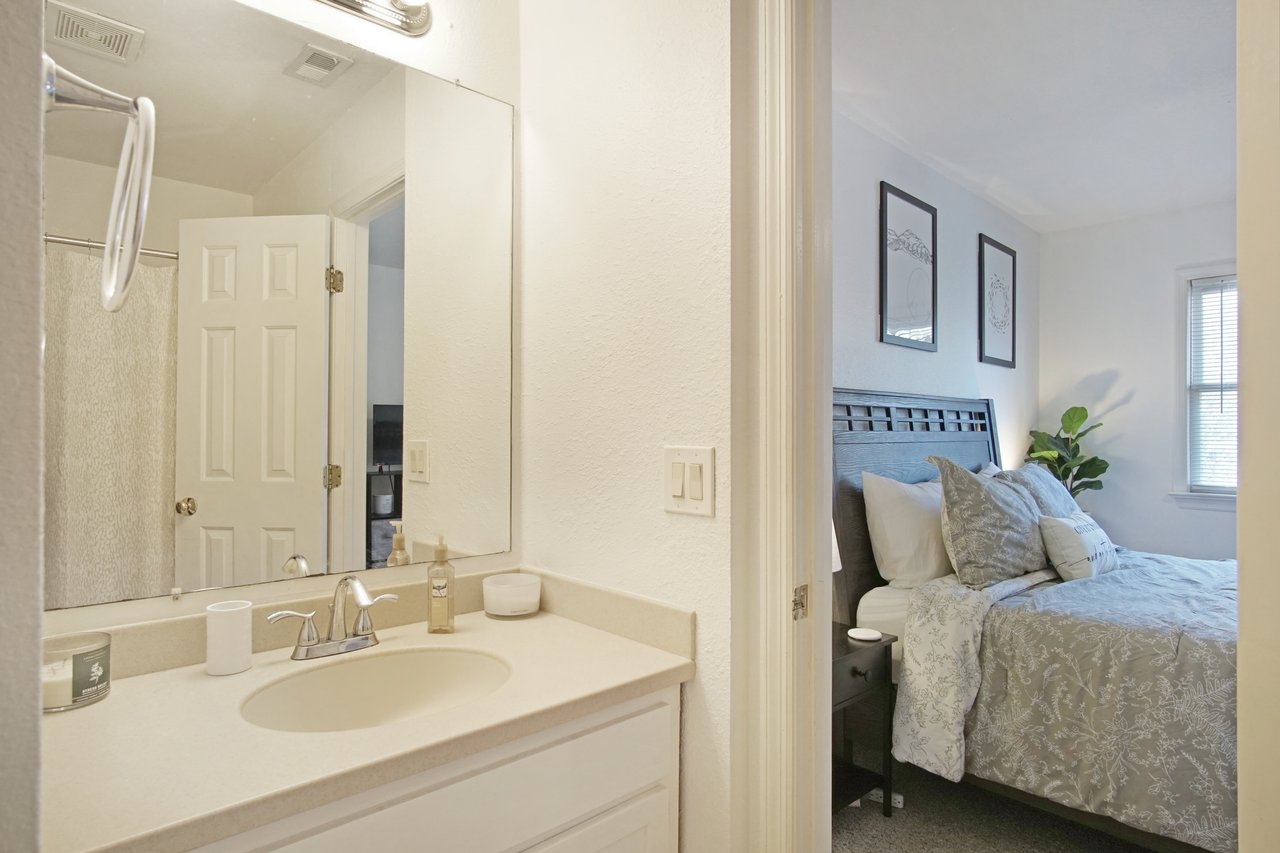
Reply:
x=109, y=407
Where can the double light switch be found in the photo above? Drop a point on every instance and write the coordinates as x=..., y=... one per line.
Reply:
x=690, y=480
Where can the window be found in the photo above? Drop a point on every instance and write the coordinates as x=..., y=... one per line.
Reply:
x=1212, y=389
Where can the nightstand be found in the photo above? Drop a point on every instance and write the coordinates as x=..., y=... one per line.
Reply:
x=861, y=672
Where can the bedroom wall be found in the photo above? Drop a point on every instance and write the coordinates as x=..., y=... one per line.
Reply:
x=625, y=131
x=1110, y=339
x=860, y=161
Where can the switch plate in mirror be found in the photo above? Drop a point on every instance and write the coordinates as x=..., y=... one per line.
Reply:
x=418, y=461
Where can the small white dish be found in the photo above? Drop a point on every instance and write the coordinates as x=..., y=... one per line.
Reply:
x=868, y=635
x=512, y=594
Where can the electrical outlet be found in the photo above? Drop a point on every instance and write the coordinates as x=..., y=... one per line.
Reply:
x=876, y=795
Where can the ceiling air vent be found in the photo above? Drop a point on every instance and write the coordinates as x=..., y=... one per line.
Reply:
x=317, y=65
x=92, y=33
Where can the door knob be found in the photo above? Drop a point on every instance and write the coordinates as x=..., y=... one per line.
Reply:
x=186, y=506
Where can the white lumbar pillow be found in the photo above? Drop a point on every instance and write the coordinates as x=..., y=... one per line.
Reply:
x=1078, y=546
x=905, y=522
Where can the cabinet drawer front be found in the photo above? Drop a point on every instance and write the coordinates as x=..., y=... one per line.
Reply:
x=509, y=805
x=855, y=675
x=637, y=826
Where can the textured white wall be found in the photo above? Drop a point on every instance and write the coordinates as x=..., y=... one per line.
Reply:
x=1110, y=338
x=77, y=196
x=20, y=496
x=860, y=160
x=475, y=42
x=626, y=325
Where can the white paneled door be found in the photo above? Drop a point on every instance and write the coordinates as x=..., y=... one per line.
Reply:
x=252, y=397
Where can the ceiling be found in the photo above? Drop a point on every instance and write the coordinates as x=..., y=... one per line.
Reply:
x=226, y=114
x=1066, y=113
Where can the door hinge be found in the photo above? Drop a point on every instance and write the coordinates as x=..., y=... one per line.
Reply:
x=333, y=280
x=800, y=602
x=332, y=476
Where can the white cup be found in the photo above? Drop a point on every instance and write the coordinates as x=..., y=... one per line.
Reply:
x=228, y=637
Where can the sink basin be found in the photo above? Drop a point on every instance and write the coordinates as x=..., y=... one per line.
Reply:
x=366, y=689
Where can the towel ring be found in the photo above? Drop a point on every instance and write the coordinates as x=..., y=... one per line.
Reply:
x=127, y=217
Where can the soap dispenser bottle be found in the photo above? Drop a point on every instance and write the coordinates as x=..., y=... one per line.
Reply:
x=398, y=556
x=440, y=589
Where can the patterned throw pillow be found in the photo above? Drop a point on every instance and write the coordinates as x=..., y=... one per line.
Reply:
x=1078, y=547
x=1050, y=495
x=990, y=526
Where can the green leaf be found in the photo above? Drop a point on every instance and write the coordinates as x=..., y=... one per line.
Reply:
x=1092, y=468
x=1040, y=440
x=1085, y=486
x=1089, y=430
x=1061, y=445
x=1042, y=454
x=1074, y=418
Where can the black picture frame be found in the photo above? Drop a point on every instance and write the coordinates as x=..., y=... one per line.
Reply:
x=895, y=286
x=997, y=303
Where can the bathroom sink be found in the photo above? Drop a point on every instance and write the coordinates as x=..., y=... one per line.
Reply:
x=367, y=689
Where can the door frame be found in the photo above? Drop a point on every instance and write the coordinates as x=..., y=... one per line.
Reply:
x=348, y=364
x=782, y=477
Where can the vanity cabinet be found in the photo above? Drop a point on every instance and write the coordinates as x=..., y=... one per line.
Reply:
x=606, y=781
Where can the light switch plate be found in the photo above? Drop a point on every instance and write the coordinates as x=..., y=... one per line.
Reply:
x=417, y=461
x=694, y=460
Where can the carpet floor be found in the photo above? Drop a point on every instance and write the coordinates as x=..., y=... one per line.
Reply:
x=942, y=816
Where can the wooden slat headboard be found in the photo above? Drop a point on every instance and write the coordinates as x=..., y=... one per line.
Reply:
x=890, y=435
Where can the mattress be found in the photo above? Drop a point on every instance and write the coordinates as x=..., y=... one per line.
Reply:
x=885, y=609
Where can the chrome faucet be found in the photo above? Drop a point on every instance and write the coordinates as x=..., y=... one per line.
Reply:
x=339, y=639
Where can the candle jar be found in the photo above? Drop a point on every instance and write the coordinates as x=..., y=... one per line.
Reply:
x=76, y=670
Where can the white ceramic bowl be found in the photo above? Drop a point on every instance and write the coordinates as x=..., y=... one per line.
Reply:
x=512, y=594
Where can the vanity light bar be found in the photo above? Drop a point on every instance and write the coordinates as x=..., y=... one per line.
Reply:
x=411, y=17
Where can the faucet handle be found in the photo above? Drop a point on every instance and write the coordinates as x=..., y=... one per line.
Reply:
x=364, y=625
x=307, y=635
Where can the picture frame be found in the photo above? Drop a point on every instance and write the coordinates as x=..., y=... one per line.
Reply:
x=908, y=270
x=997, y=303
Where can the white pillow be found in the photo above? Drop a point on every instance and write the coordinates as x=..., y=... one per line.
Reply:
x=1078, y=547
x=905, y=521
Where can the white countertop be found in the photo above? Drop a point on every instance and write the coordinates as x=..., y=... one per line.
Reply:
x=166, y=762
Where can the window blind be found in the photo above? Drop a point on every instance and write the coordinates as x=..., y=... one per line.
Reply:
x=1212, y=387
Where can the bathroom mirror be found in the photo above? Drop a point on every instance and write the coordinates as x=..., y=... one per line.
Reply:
x=319, y=341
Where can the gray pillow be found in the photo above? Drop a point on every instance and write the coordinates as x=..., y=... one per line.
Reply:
x=1050, y=495
x=990, y=526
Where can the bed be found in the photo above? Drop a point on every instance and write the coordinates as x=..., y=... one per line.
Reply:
x=1110, y=701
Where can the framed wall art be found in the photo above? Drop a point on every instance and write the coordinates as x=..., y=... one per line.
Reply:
x=908, y=270
x=997, y=302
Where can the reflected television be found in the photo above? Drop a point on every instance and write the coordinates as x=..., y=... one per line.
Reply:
x=388, y=435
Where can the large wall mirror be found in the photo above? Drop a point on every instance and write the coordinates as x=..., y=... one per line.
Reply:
x=194, y=439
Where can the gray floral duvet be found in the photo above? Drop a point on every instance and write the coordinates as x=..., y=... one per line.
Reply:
x=1114, y=695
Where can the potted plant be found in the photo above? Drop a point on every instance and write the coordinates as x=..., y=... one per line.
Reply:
x=1061, y=453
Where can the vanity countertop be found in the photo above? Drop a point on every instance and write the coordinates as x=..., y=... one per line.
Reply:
x=166, y=762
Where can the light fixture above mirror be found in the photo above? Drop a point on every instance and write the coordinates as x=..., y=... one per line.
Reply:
x=411, y=17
